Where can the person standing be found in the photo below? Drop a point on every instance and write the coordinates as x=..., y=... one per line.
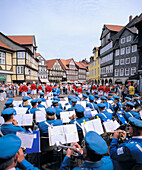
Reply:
x=33, y=89
x=131, y=90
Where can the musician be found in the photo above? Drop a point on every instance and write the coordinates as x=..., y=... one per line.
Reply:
x=108, y=105
x=87, y=93
x=74, y=101
x=24, y=89
x=136, y=101
x=129, y=111
x=25, y=103
x=56, y=98
x=29, y=95
x=34, y=107
x=39, y=100
x=33, y=89
x=10, y=125
x=91, y=103
x=127, y=99
x=93, y=153
x=42, y=97
x=84, y=97
x=110, y=97
x=55, y=104
x=11, y=154
x=97, y=100
x=9, y=103
x=56, y=89
x=117, y=105
x=51, y=119
x=77, y=97
x=128, y=154
x=103, y=114
x=69, y=100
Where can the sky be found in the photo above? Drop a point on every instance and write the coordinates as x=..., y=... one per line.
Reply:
x=65, y=28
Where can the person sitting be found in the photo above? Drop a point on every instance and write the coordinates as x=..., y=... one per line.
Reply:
x=25, y=103
x=39, y=100
x=9, y=103
x=129, y=111
x=77, y=97
x=103, y=114
x=51, y=119
x=128, y=154
x=97, y=100
x=110, y=97
x=84, y=97
x=91, y=103
x=56, y=89
x=74, y=101
x=126, y=99
x=57, y=108
x=11, y=154
x=69, y=102
x=56, y=98
x=42, y=97
x=136, y=101
x=34, y=107
x=29, y=95
x=93, y=152
x=108, y=105
x=10, y=125
x=117, y=105
x=87, y=93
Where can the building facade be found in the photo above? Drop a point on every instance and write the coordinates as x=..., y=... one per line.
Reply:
x=81, y=72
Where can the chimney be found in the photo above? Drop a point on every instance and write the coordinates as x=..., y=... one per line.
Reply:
x=130, y=18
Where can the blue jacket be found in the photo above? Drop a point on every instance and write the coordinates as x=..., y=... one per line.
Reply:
x=57, y=90
x=126, y=155
x=9, y=128
x=27, y=165
x=43, y=127
x=33, y=110
x=118, y=106
x=131, y=114
x=71, y=109
x=79, y=120
x=43, y=99
x=92, y=106
x=40, y=106
x=58, y=110
x=104, y=115
x=104, y=164
x=108, y=106
x=78, y=98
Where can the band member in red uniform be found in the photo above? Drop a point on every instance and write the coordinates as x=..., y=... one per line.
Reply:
x=94, y=88
x=24, y=89
x=39, y=88
x=33, y=89
x=100, y=90
x=106, y=89
x=74, y=88
x=79, y=89
x=48, y=90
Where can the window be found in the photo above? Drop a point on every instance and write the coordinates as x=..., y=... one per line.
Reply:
x=2, y=58
x=20, y=54
x=92, y=72
x=133, y=70
x=129, y=38
x=133, y=60
x=98, y=70
x=20, y=70
x=111, y=68
x=122, y=72
x=95, y=71
x=127, y=50
x=116, y=52
x=98, y=60
x=116, y=62
x=126, y=71
x=27, y=56
x=95, y=62
x=121, y=61
x=30, y=73
x=122, y=40
x=127, y=61
x=116, y=72
x=122, y=51
x=134, y=48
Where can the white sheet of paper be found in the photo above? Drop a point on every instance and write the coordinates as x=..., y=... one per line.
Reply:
x=21, y=110
x=66, y=99
x=26, y=139
x=16, y=103
x=27, y=120
x=72, y=113
x=83, y=103
x=68, y=106
x=40, y=116
x=111, y=125
x=94, y=113
x=64, y=116
x=110, y=101
x=1, y=120
x=19, y=119
x=44, y=103
x=89, y=126
x=98, y=126
x=109, y=110
x=141, y=114
x=48, y=103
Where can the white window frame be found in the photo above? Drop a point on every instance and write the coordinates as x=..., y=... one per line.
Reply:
x=27, y=55
x=116, y=72
x=123, y=40
x=20, y=69
x=127, y=70
x=117, y=62
x=133, y=70
x=134, y=48
x=128, y=50
x=127, y=60
x=122, y=62
x=2, y=57
x=122, y=73
x=21, y=54
x=117, y=52
x=133, y=59
x=129, y=38
x=122, y=51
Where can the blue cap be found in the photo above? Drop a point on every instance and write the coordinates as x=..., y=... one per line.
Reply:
x=103, y=98
x=55, y=101
x=28, y=92
x=39, y=100
x=87, y=92
x=116, y=97
x=42, y=94
x=74, y=100
x=70, y=97
x=25, y=98
x=127, y=98
x=10, y=99
x=34, y=101
x=8, y=102
x=135, y=122
x=136, y=95
x=54, y=94
x=8, y=111
x=84, y=95
x=9, y=146
x=79, y=108
x=91, y=97
x=101, y=105
x=50, y=111
x=76, y=93
x=130, y=104
x=109, y=94
x=96, y=92
x=96, y=96
x=96, y=143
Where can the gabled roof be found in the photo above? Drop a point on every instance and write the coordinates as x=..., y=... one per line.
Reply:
x=5, y=46
x=116, y=28
x=80, y=65
x=50, y=63
x=63, y=64
x=37, y=54
x=22, y=39
x=85, y=65
x=68, y=61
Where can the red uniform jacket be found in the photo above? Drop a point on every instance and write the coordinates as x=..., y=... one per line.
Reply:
x=106, y=89
x=33, y=87
x=48, y=89
x=39, y=87
x=79, y=90
x=24, y=89
x=94, y=88
x=100, y=88
x=74, y=87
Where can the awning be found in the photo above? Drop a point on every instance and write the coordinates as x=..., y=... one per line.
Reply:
x=44, y=80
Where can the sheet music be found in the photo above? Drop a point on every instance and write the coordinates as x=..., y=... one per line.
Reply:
x=89, y=126
x=72, y=113
x=94, y=113
x=109, y=110
x=24, y=119
x=1, y=120
x=66, y=99
x=48, y=103
x=98, y=126
x=65, y=117
x=83, y=103
x=110, y=101
x=16, y=103
x=21, y=110
x=141, y=114
x=111, y=125
x=26, y=139
x=40, y=116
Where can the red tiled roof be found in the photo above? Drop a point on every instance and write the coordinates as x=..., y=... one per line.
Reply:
x=68, y=61
x=50, y=63
x=80, y=65
x=63, y=64
x=37, y=54
x=116, y=28
x=22, y=39
x=5, y=46
x=86, y=65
